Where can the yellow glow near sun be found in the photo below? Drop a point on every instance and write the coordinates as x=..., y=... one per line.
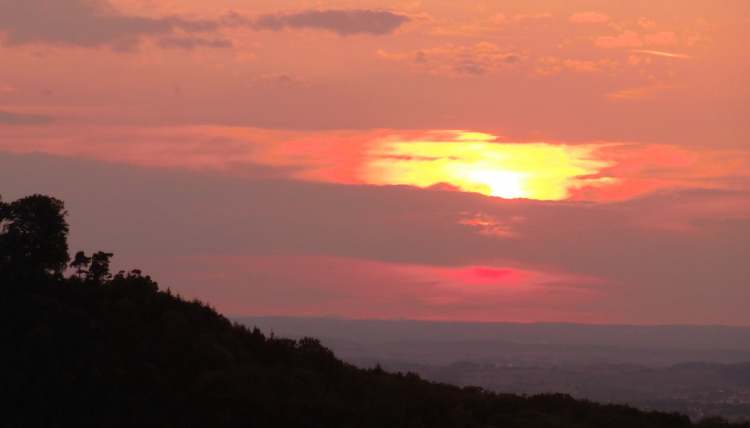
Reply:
x=474, y=162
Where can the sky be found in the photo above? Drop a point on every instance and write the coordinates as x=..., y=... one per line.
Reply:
x=527, y=161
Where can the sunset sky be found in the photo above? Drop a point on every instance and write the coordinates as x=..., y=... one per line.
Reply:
x=519, y=160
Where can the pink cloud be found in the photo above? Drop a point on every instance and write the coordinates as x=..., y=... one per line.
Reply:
x=488, y=225
x=353, y=288
x=644, y=169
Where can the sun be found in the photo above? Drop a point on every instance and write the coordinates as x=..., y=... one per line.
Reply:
x=477, y=162
x=503, y=184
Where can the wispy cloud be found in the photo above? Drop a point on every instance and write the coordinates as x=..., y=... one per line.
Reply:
x=458, y=60
x=661, y=53
x=637, y=93
x=8, y=118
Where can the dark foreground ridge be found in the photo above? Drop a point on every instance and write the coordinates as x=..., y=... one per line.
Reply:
x=93, y=349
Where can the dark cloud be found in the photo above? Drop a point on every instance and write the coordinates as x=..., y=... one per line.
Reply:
x=86, y=23
x=343, y=22
x=191, y=43
x=7, y=118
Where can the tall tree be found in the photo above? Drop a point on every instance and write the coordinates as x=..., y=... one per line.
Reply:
x=33, y=236
x=81, y=264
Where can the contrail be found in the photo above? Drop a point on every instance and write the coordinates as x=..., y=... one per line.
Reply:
x=661, y=53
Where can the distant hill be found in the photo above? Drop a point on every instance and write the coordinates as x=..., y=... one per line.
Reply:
x=490, y=341
x=93, y=350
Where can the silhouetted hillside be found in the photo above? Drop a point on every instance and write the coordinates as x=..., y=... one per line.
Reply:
x=93, y=349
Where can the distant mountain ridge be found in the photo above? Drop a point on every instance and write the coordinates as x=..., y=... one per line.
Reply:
x=441, y=342
x=623, y=336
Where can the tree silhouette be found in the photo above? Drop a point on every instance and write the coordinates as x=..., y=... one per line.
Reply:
x=99, y=270
x=33, y=236
x=81, y=264
x=94, y=268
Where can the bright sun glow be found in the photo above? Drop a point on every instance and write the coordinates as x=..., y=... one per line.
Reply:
x=474, y=162
x=504, y=184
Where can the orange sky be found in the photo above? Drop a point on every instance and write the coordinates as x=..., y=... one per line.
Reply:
x=490, y=160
